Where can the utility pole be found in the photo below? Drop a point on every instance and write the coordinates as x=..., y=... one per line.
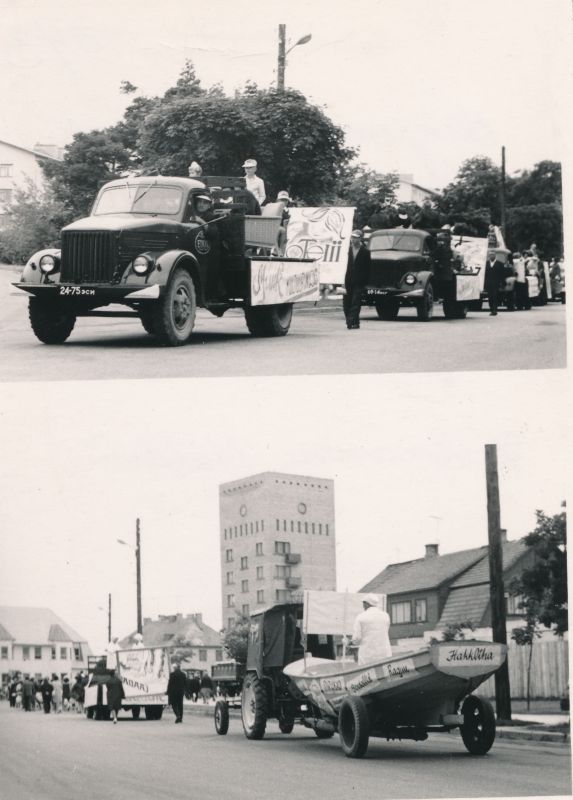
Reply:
x=109, y=617
x=138, y=568
x=502, y=193
x=496, y=588
x=282, y=58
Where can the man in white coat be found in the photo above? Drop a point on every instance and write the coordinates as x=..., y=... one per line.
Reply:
x=371, y=628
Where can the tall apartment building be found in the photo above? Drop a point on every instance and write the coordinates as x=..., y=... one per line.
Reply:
x=277, y=538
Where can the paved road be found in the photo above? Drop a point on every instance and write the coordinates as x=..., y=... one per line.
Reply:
x=318, y=343
x=66, y=757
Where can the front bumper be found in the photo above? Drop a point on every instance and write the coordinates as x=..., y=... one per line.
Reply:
x=90, y=295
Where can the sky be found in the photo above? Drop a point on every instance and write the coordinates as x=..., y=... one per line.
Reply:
x=417, y=86
x=81, y=461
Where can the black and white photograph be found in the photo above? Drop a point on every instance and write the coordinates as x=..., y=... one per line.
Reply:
x=284, y=399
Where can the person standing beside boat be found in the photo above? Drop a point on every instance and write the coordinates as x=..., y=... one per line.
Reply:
x=370, y=632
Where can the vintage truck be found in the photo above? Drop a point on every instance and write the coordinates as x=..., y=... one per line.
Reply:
x=144, y=673
x=150, y=249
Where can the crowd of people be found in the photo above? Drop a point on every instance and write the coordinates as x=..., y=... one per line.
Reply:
x=50, y=694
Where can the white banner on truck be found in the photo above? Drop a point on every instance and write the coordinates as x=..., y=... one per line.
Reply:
x=474, y=251
x=143, y=672
x=322, y=234
x=274, y=282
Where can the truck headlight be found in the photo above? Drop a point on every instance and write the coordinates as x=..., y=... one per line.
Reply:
x=410, y=279
x=141, y=265
x=48, y=264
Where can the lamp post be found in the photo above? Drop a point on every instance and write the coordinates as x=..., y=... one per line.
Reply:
x=283, y=52
x=138, y=573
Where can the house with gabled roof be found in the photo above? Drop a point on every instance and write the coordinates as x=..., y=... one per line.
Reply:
x=177, y=631
x=38, y=642
x=428, y=594
x=21, y=165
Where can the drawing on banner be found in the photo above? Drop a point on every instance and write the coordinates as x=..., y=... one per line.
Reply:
x=322, y=234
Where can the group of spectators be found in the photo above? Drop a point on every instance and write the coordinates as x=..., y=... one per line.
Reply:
x=50, y=693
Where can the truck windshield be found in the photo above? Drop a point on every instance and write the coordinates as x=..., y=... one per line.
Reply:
x=139, y=199
x=396, y=241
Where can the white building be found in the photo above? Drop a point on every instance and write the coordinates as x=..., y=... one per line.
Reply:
x=20, y=165
x=38, y=642
x=410, y=192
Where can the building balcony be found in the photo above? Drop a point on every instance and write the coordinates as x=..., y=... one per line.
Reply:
x=293, y=558
x=293, y=583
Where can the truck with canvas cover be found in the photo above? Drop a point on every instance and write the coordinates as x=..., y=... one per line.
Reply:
x=156, y=249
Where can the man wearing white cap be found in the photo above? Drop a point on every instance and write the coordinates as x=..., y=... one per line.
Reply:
x=254, y=184
x=371, y=628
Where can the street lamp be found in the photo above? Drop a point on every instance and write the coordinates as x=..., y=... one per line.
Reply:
x=283, y=52
x=138, y=573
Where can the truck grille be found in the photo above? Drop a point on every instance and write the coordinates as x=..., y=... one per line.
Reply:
x=89, y=256
x=386, y=274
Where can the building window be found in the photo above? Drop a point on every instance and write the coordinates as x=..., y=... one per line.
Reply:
x=244, y=562
x=218, y=654
x=313, y=528
x=513, y=604
x=282, y=595
x=278, y=525
x=261, y=596
x=260, y=573
x=230, y=578
x=63, y=652
x=306, y=527
x=78, y=652
x=5, y=170
x=320, y=528
x=25, y=652
x=230, y=600
x=326, y=532
x=400, y=612
x=292, y=526
x=256, y=527
x=282, y=571
x=259, y=549
x=4, y=652
x=230, y=623
x=228, y=555
x=37, y=653
x=5, y=196
x=53, y=654
x=298, y=527
x=251, y=526
x=282, y=548
x=420, y=610
x=246, y=610
x=202, y=654
x=284, y=525
x=244, y=586
x=262, y=525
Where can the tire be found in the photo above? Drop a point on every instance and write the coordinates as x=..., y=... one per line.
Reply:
x=478, y=728
x=254, y=707
x=90, y=712
x=147, y=319
x=221, y=717
x=174, y=313
x=475, y=305
x=453, y=309
x=286, y=725
x=425, y=307
x=387, y=307
x=135, y=711
x=50, y=323
x=269, y=320
x=354, y=727
x=153, y=712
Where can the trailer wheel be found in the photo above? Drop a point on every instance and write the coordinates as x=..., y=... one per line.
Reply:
x=135, y=711
x=425, y=306
x=174, y=313
x=354, y=727
x=221, y=717
x=269, y=320
x=50, y=323
x=453, y=309
x=254, y=707
x=387, y=307
x=286, y=725
x=478, y=728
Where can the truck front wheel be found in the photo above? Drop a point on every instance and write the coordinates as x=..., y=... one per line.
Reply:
x=425, y=307
x=174, y=313
x=254, y=707
x=50, y=323
x=269, y=320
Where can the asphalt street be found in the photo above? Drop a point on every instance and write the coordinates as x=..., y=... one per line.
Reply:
x=65, y=757
x=318, y=344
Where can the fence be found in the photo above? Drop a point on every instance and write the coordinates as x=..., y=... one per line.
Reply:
x=549, y=670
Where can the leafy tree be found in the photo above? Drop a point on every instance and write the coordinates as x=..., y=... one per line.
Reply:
x=542, y=224
x=366, y=190
x=475, y=188
x=543, y=586
x=526, y=636
x=183, y=648
x=236, y=638
x=32, y=222
x=540, y=185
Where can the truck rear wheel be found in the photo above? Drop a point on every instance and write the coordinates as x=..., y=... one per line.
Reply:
x=174, y=313
x=354, y=727
x=254, y=707
x=425, y=306
x=153, y=712
x=387, y=307
x=453, y=309
x=50, y=323
x=135, y=711
x=269, y=320
x=478, y=728
x=221, y=717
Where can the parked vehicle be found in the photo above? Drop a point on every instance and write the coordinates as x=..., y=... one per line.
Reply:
x=144, y=673
x=416, y=268
x=146, y=247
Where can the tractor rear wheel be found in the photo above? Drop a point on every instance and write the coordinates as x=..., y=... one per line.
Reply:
x=254, y=707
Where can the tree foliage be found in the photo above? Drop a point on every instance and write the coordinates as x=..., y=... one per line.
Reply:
x=475, y=189
x=543, y=586
x=542, y=224
x=236, y=638
x=542, y=184
x=366, y=190
x=31, y=223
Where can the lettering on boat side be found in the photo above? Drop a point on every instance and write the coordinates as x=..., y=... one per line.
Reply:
x=332, y=685
x=361, y=681
x=470, y=654
x=398, y=670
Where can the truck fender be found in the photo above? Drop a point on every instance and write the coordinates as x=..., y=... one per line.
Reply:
x=163, y=265
x=32, y=272
x=424, y=276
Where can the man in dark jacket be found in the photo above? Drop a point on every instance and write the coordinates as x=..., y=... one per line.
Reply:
x=494, y=276
x=357, y=273
x=115, y=695
x=46, y=688
x=176, y=691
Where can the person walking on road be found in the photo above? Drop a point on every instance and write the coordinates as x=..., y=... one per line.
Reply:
x=115, y=695
x=176, y=691
x=47, y=690
x=28, y=693
x=78, y=693
x=494, y=275
x=57, y=694
x=206, y=687
x=370, y=632
x=357, y=273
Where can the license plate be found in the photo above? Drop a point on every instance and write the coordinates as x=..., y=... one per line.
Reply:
x=377, y=291
x=76, y=291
